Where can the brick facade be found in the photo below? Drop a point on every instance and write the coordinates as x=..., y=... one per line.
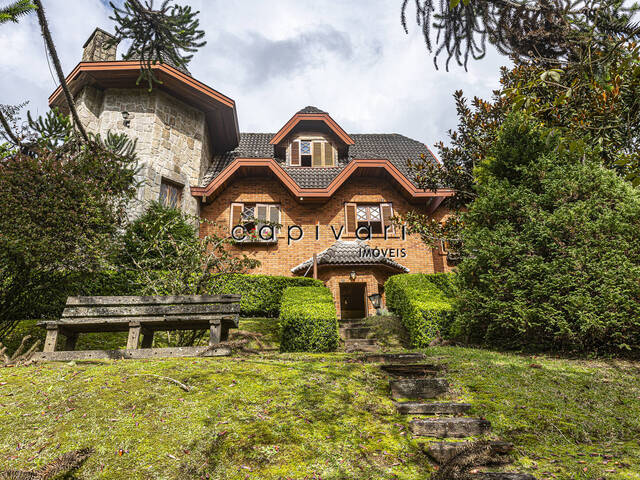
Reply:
x=279, y=258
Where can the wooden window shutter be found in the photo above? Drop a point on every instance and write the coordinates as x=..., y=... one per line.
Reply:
x=317, y=154
x=236, y=214
x=295, y=153
x=274, y=215
x=387, y=213
x=261, y=211
x=350, y=218
x=328, y=155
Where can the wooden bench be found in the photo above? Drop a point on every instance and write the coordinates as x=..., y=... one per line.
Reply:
x=142, y=316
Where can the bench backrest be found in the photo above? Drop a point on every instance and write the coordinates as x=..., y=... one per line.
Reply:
x=121, y=308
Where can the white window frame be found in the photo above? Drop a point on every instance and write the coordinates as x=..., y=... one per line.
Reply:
x=256, y=206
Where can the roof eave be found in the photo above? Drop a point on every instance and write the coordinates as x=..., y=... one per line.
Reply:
x=220, y=110
x=319, y=193
x=323, y=117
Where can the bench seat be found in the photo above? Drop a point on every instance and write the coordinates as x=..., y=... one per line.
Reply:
x=143, y=315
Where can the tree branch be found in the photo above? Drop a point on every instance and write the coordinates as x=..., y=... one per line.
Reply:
x=7, y=127
x=44, y=26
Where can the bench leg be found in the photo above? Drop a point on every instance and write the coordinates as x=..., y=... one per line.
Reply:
x=71, y=340
x=52, y=338
x=214, y=332
x=225, y=334
x=134, y=336
x=147, y=338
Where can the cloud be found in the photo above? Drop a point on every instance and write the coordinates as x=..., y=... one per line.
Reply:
x=263, y=59
x=352, y=59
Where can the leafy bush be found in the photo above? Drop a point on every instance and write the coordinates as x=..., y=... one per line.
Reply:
x=308, y=320
x=61, y=208
x=158, y=238
x=261, y=294
x=552, y=252
x=423, y=302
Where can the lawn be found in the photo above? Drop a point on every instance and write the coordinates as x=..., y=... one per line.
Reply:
x=301, y=416
x=569, y=419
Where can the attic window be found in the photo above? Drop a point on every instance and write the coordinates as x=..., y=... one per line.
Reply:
x=312, y=153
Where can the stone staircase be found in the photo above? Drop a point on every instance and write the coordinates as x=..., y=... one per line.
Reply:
x=443, y=425
x=354, y=334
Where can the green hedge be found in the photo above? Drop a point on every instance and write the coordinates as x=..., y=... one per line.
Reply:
x=308, y=320
x=423, y=301
x=261, y=294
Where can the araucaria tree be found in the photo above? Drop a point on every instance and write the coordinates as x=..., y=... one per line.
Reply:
x=577, y=70
x=552, y=258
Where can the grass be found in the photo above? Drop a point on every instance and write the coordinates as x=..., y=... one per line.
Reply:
x=295, y=416
x=569, y=419
x=302, y=416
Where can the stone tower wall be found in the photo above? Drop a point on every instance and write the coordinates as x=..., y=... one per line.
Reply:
x=172, y=137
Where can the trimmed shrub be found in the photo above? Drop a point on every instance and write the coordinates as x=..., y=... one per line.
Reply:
x=423, y=303
x=308, y=320
x=261, y=294
x=552, y=253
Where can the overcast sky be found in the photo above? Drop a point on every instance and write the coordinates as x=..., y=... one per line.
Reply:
x=348, y=57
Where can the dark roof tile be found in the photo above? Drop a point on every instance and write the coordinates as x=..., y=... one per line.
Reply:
x=347, y=253
x=398, y=149
x=311, y=109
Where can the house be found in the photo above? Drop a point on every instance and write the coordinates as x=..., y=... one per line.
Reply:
x=309, y=199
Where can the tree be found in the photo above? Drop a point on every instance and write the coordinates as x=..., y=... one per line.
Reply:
x=61, y=205
x=164, y=240
x=551, y=259
x=15, y=10
x=550, y=32
x=590, y=109
x=157, y=36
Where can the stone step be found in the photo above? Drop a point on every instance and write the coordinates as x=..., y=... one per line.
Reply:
x=418, y=388
x=361, y=347
x=393, y=358
x=442, y=452
x=355, y=332
x=412, y=369
x=432, y=408
x=360, y=341
x=352, y=324
x=501, y=476
x=452, y=427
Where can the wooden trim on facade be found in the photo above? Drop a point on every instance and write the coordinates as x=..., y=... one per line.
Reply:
x=322, y=117
x=316, y=193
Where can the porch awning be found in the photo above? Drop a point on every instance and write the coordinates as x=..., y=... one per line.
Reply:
x=345, y=253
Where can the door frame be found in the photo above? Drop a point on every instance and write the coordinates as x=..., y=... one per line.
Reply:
x=364, y=298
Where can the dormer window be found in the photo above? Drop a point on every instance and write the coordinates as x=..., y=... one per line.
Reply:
x=312, y=152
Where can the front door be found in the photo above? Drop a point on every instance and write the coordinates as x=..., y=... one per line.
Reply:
x=353, y=300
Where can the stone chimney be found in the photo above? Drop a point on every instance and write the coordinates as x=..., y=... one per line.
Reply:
x=94, y=50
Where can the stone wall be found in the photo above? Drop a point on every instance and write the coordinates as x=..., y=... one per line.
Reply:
x=172, y=137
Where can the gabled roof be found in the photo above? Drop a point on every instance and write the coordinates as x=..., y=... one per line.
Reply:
x=347, y=253
x=314, y=114
x=386, y=155
x=220, y=110
x=311, y=109
x=396, y=148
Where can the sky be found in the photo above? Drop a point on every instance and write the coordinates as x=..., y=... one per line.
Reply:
x=351, y=58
